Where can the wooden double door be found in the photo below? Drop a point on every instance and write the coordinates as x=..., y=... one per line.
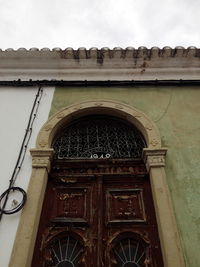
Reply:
x=98, y=213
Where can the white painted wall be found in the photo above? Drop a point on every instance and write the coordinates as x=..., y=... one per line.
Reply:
x=15, y=107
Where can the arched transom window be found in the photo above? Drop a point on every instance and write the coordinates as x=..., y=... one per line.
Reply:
x=99, y=137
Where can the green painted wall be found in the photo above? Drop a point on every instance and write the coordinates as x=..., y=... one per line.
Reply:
x=175, y=110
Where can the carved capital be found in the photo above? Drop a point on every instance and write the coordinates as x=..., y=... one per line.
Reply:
x=41, y=158
x=154, y=157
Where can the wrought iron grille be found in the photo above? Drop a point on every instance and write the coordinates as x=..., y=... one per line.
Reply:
x=66, y=252
x=99, y=137
x=131, y=253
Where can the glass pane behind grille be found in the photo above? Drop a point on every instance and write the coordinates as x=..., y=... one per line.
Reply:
x=66, y=252
x=99, y=137
x=130, y=253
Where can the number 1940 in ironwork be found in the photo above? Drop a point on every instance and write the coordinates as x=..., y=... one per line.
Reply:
x=100, y=155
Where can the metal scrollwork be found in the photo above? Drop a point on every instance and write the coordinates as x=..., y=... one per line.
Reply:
x=99, y=137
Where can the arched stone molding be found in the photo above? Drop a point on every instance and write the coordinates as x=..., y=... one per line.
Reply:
x=108, y=107
x=154, y=157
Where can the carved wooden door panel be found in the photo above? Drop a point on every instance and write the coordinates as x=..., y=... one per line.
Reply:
x=130, y=236
x=98, y=215
x=67, y=223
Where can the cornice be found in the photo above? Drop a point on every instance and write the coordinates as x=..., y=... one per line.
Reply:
x=100, y=64
x=117, y=52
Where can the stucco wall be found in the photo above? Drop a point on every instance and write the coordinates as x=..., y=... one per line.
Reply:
x=15, y=107
x=175, y=110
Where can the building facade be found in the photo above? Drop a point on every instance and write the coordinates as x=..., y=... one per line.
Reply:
x=45, y=94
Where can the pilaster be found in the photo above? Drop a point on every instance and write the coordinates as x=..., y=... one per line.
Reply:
x=27, y=229
x=169, y=237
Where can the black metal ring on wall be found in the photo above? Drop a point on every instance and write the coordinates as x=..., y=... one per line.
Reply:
x=19, y=206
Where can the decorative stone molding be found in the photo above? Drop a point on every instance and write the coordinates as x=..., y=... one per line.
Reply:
x=118, y=109
x=41, y=158
x=154, y=157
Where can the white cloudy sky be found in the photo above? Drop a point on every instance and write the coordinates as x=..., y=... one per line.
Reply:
x=99, y=23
